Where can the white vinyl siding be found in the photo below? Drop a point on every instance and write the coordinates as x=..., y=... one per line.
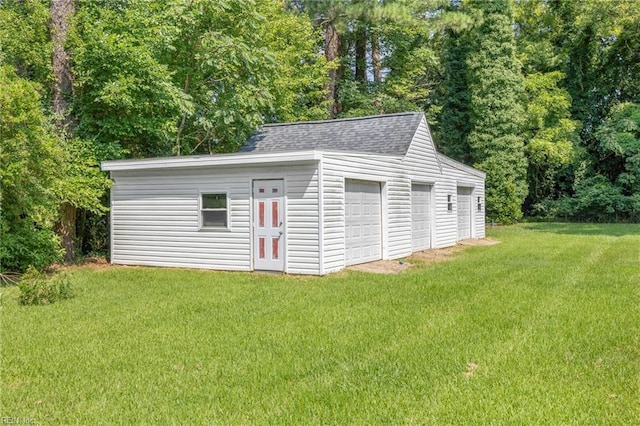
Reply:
x=464, y=176
x=396, y=203
x=156, y=217
x=423, y=165
x=301, y=234
x=156, y=222
x=421, y=161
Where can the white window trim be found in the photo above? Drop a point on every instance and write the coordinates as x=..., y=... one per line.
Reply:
x=200, y=209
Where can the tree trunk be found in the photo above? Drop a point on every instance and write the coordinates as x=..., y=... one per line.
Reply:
x=66, y=229
x=331, y=52
x=376, y=58
x=361, y=53
x=61, y=12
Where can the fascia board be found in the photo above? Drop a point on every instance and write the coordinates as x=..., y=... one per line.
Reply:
x=213, y=160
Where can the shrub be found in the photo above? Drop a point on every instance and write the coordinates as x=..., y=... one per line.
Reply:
x=36, y=288
x=24, y=244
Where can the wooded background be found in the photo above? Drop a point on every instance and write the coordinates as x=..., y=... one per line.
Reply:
x=542, y=95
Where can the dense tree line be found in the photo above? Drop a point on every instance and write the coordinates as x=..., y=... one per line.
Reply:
x=543, y=95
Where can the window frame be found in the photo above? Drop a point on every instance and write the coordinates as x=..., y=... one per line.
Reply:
x=449, y=203
x=479, y=203
x=227, y=210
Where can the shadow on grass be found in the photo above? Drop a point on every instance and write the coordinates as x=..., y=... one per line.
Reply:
x=610, y=229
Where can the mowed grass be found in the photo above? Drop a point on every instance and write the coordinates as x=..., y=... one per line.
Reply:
x=543, y=328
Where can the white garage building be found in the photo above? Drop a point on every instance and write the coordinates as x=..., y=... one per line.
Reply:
x=305, y=198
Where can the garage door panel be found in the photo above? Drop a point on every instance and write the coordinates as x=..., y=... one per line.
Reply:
x=464, y=213
x=420, y=217
x=363, y=222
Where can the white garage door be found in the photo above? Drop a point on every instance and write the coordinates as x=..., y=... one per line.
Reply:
x=464, y=213
x=420, y=217
x=363, y=222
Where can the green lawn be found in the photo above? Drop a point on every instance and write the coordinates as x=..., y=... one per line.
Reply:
x=543, y=328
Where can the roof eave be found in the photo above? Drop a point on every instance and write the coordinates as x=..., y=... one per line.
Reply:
x=235, y=159
x=460, y=166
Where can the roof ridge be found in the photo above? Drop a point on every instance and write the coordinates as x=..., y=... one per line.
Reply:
x=339, y=120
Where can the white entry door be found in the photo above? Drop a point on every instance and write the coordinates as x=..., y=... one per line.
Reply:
x=464, y=213
x=420, y=217
x=268, y=225
x=363, y=222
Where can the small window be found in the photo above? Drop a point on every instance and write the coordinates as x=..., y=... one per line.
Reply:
x=449, y=203
x=213, y=211
x=479, y=204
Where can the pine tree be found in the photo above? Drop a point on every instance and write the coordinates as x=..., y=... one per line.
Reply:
x=496, y=115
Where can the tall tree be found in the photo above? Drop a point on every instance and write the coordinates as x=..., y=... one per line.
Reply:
x=35, y=52
x=455, y=124
x=376, y=58
x=61, y=13
x=350, y=32
x=495, y=95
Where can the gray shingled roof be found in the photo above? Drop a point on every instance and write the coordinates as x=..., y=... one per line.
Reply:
x=379, y=134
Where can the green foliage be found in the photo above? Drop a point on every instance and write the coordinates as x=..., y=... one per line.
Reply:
x=597, y=64
x=234, y=67
x=496, y=114
x=455, y=124
x=372, y=99
x=412, y=61
x=538, y=32
x=550, y=134
x=25, y=243
x=621, y=70
x=612, y=190
x=39, y=171
x=36, y=288
x=25, y=42
x=619, y=147
x=30, y=159
x=83, y=184
x=93, y=232
x=125, y=99
x=300, y=72
x=407, y=72
x=596, y=199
